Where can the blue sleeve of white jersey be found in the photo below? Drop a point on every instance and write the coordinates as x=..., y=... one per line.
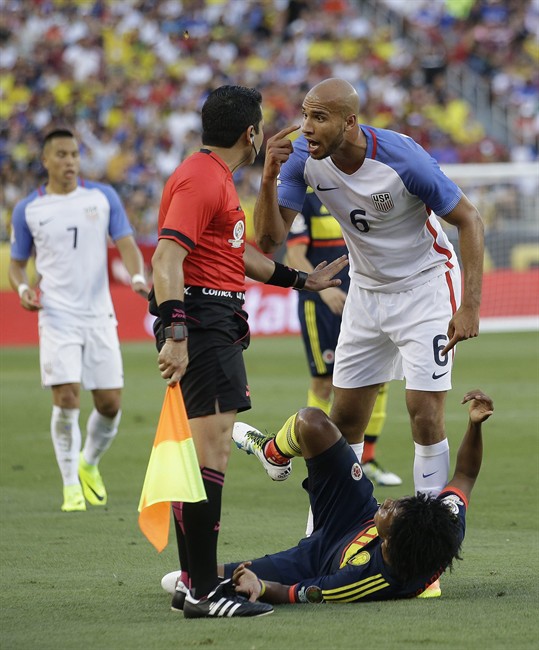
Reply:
x=419, y=171
x=291, y=185
x=119, y=225
x=21, y=237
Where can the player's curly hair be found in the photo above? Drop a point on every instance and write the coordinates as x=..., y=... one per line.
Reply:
x=424, y=538
x=227, y=112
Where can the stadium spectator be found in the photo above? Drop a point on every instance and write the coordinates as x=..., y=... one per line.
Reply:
x=403, y=314
x=361, y=551
x=68, y=221
x=147, y=68
x=199, y=269
x=316, y=236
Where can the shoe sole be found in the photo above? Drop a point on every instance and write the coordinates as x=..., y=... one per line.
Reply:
x=189, y=616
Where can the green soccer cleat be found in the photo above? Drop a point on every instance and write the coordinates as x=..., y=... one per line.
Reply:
x=92, y=483
x=432, y=591
x=379, y=476
x=253, y=441
x=73, y=499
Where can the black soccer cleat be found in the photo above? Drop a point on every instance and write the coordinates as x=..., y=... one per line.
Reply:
x=178, y=599
x=223, y=602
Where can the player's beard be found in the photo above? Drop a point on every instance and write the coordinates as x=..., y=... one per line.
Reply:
x=332, y=147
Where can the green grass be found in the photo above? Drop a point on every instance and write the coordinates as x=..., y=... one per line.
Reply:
x=91, y=580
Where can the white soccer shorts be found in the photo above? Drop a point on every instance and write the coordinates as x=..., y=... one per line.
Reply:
x=72, y=354
x=386, y=336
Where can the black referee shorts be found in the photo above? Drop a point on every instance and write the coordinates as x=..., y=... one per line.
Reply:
x=218, y=335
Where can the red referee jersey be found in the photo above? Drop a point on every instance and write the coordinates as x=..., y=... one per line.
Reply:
x=200, y=210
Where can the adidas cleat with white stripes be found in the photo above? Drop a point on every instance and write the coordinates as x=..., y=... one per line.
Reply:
x=224, y=602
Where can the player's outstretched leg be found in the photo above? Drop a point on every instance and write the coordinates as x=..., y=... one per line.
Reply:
x=224, y=602
x=253, y=441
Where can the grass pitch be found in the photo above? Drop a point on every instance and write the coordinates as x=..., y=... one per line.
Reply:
x=91, y=580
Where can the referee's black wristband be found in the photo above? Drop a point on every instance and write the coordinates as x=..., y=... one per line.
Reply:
x=284, y=276
x=172, y=311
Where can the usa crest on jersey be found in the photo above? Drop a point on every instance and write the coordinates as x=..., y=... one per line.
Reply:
x=382, y=201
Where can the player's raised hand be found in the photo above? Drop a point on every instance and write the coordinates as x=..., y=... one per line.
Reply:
x=481, y=406
x=323, y=274
x=278, y=149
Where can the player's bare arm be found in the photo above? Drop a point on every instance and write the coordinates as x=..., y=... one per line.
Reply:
x=246, y=582
x=261, y=268
x=334, y=297
x=465, y=322
x=167, y=263
x=271, y=222
x=470, y=453
x=134, y=263
x=18, y=279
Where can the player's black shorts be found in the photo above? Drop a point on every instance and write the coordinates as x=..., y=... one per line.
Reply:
x=218, y=335
x=320, y=331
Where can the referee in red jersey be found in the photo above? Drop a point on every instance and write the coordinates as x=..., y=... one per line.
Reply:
x=199, y=269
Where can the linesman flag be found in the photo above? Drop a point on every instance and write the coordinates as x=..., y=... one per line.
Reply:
x=173, y=473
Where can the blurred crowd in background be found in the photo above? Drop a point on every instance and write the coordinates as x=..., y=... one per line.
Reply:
x=131, y=75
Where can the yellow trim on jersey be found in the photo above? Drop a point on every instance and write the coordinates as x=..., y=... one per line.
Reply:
x=325, y=227
x=357, y=545
x=312, y=332
x=356, y=590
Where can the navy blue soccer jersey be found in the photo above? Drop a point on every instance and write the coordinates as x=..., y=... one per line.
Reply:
x=342, y=560
x=358, y=571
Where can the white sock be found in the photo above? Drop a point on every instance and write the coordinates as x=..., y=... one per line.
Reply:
x=431, y=467
x=358, y=449
x=66, y=439
x=100, y=432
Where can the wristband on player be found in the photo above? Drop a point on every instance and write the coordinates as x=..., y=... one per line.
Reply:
x=22, y=288
x=138, y=277
x=284, y=276
x=262, y=588
x=172, y=311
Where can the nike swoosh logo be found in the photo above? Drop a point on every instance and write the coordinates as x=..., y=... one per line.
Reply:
x=325, y=189
x=97, y=496
x=435, y=376
x=42, y=223
x=431, y=474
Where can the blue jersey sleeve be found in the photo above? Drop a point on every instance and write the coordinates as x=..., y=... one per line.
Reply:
x=291, y=185
x=119, y=225
x=21, y=237
x=417, y=169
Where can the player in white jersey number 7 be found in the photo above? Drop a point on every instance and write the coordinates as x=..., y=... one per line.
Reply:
x=67, y=221
x=403, y=315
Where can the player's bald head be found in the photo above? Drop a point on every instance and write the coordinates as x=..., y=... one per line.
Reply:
x=337, y=95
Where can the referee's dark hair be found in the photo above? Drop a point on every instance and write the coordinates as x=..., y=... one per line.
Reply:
x=57, y=132
x=424, y=537
x=227, y=112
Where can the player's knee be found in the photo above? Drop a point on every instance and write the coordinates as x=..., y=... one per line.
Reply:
x=313, y=424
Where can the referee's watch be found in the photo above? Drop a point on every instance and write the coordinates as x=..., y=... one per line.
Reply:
x=176, y=331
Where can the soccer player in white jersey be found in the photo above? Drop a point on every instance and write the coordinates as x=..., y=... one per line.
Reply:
x=403, y=314
x=67, y=222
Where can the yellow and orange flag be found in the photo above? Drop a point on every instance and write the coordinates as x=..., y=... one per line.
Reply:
x=173, y=473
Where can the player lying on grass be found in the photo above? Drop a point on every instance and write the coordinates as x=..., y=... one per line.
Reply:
x=360, y=550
